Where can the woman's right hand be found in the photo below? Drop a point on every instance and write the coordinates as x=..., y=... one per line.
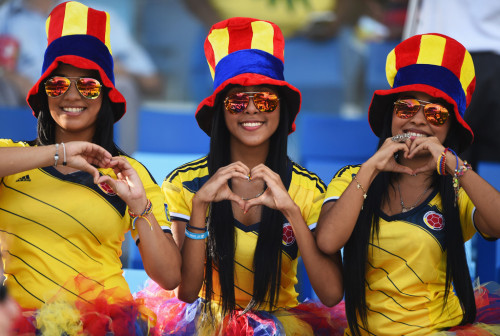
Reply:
x=84, y=156
x=217, y=189
x=383, y=159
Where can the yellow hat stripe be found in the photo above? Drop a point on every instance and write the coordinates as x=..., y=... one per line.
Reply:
x=75, y=19
x=47, y=25
x=263, y=36
x=219, y=39
x=431, y=50
x=390, y=67
x=108, y=31
x=467, y=72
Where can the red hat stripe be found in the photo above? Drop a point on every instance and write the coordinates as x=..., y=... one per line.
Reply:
x=279, y=44
x=405, y=58
x=55, y=24
x=454, y=58
x=95, y=21
x=240, y=38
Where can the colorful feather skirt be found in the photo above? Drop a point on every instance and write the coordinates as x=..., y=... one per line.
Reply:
x=175, y=317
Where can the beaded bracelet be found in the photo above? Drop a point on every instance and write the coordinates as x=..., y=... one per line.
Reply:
x=56, y=155
x=147, y=211
x=461, y=171
x=456, y=183
x=196, y=236
x=441, y=163
x=204, y=229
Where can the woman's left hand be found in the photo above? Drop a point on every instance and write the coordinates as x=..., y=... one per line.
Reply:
x=275, y=196
x=426, y=144
x=127, y=184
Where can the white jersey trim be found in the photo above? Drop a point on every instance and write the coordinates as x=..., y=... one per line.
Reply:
x=333, y=198
x=179, y=215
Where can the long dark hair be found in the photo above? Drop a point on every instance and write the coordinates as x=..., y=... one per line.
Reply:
x=221, y=240
x=103, y=136
x=367, y=228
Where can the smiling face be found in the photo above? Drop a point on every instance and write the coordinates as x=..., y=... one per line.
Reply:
x=418, y=125
x=251, y=127
x=75, y=116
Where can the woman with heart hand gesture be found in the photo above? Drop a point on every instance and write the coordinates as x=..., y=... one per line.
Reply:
x=243, y=214
x=403, y=215
x=69, y=197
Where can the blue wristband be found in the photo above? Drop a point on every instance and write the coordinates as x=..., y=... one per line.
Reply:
x=196, y=236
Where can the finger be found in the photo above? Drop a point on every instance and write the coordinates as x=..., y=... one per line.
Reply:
x=251, y=203
x=91, y=170
x=238, y=166
x=426, y=168
x=237, y=199
x=397, y=168
x=109, y=181
x=227, y=172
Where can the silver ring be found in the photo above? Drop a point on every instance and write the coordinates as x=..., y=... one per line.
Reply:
x=400, y=137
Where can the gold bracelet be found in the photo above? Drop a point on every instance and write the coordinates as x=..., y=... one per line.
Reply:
x=360, y=187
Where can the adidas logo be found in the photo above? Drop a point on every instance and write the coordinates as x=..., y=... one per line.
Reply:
x=25, y=178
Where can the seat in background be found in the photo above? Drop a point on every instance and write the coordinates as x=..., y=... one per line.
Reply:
x=375, y=77
x=488, y=252
x=314, y=68
x=168, y=137
x=327, y=143
x=17, y=123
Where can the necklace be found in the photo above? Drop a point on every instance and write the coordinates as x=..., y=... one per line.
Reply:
x=258, y=195
x=403, y=207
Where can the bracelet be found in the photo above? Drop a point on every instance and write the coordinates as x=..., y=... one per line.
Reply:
x=363, y=189
x=456, y=183
x=147, y=211
x=441, y=163
x=461, y=171
x=458, y=173
x=204, y=229
x=196, y=236
x=360, y=187
x=64, y=154
x=56, y=155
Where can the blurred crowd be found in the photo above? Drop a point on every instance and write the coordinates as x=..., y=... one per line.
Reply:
x=156, y=44
x=158, y=53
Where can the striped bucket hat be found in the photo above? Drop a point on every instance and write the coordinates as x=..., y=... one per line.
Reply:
x=79, y=36
x=431, y=63
x=247, y=52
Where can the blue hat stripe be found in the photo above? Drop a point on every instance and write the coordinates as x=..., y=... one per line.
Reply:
x=435, y=76
x=85, y=46
x=248, y=61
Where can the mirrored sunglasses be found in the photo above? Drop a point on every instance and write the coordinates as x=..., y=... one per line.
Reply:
x=89, y=88
x=264, y=101
x=435, y=114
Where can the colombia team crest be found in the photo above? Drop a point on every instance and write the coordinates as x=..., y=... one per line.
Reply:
x=434, y=220
x=288, y=236
x=106, y=189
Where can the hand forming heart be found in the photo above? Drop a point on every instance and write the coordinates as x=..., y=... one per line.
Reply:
x=216, y=189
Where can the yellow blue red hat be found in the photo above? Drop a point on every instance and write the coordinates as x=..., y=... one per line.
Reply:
x=431, y=63
x=79, y=36
x=246, y=52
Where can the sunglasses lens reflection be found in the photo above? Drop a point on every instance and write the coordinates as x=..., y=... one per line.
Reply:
x=263, y=101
